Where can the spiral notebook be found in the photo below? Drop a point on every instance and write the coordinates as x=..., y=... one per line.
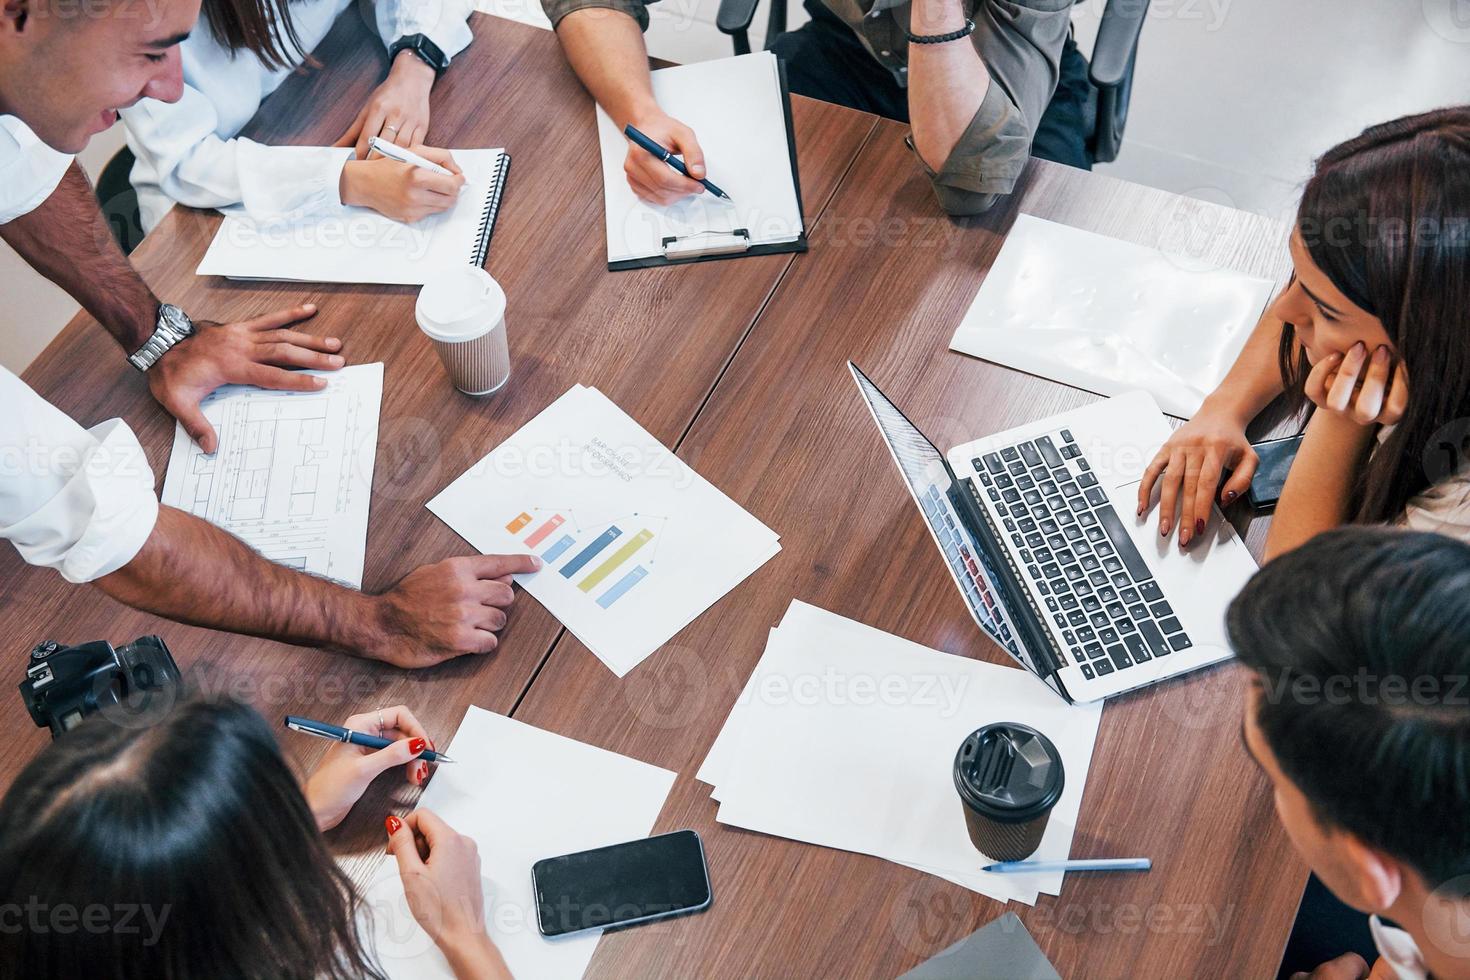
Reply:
x=357, y=245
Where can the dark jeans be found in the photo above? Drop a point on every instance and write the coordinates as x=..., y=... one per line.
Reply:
x=826, y=61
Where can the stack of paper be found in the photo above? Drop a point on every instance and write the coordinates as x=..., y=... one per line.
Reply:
x=635, y=543
x=845, y=736
x=1110, y=316
x=522, y=794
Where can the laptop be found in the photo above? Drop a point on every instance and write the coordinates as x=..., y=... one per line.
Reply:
x=1038, y=530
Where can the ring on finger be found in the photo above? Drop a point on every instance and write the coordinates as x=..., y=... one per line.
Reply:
x=381, y=726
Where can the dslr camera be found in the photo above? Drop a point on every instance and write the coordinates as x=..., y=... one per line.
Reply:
x=66, y=684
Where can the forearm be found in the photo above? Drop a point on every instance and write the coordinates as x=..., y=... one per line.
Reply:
x=605, y=49
x=1319, y=486
x=947, y=81
x=1255, y=377
x=67, y=240
x=476, y=958
x=193, y=572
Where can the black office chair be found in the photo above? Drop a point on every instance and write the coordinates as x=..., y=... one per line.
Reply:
x=120, y=202
x=1110, y=71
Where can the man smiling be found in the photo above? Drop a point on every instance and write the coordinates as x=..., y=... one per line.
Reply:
x=1358, y=710
x=81, y=501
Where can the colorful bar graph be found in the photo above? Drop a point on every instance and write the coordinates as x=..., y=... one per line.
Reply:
x=624, y=584
x=544, y=531
x=618, y=557
x=590, y=552
x=514, y=527
x=557, y=550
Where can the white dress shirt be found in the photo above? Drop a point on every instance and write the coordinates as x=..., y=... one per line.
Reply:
x=29, y=169
x=188, y=152
x=1398, y=948
x=71, y=499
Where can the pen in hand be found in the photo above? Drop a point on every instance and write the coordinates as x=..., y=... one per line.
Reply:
x=337, y=733
x=668, y=156
x=395, y=152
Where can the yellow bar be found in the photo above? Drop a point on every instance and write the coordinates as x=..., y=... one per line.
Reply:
x=618, y=557
x=518, y=523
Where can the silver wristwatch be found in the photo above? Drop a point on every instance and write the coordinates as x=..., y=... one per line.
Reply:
x=174, y=325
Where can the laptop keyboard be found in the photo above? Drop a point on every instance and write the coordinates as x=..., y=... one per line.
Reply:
x=1096, y=587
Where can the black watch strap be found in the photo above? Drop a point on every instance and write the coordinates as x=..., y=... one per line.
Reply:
x=424, y=49
x=965, y=31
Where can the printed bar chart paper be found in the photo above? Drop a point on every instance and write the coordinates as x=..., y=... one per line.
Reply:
x=635, y=544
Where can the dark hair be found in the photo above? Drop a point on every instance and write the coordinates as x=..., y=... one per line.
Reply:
x=1386, y=216
x=1360, y=640
x=195, y=824
x=262, y=27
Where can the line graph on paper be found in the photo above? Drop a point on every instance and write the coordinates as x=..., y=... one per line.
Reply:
x=293, y=472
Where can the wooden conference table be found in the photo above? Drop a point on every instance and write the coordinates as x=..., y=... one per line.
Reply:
x=740, y=367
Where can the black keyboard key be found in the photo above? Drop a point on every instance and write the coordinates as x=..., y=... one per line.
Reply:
x=1051, y=603
x=1151, y=591
x=1161, y=609
x=992, y=463
x=1071, y=489
x=1091, y=604
x=1096, y=535
x=1112, y=564
x=1136, y=649
x=1073, y=532
x=1091, y=563
x=1103, y=667
x=1049, y=451
x=1096, y=497
x=1048, y=527
x=1022, y=482
x=1116, y=610
x=1097, y=578
x=1016, y=540
x=1103, y=548
x=1118, y=535
x=1107, y=594
x=1051, y=571
x=1016, y=469
x=1086, y=480
x=1032, y=497
x=1078, y=505
x=1085, y=634
x=994, y=494
x=1138, y=612
x=1029, y=453
x=1087, y=671
x=1005, y=481
x=1077, y=617
x=1047, y=487
x=1108, y=635
x=1170, y=625
x=1010, y=524
x=1027, y=525
x=1099, y=621
x=1082, y=587
x=1035, y=540
x=1086, y=520
x=1072, y=452
x=1056, y=541
x=1130, y=596
x=1035, y=572
x=1126, y=626
x=1122, y=581
x=1041, y=472
x=1040, y=511
x=1069, y=602
x=1153, y=638
x=1061, y=621
x=1180, y=642
x=1011, y=496
x=1065, y=556
x=1042, y=587
x=1082, y=464
x=1066, y=517
x=1073, y=573
x=1067, y=436
x=1056, y=503
x=1069, y=637
x=1120, y=657
x=1042, y=554
x=1026, y=556
x=1082, y=547
x=1009, y=453
x=1094, y=650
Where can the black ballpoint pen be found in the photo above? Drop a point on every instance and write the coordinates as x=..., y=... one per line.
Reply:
x=667, y=156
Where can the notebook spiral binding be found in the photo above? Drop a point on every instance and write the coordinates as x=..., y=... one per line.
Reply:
x=1057, y=656
x=491, y=212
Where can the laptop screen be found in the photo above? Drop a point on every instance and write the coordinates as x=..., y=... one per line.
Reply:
x=929, y=481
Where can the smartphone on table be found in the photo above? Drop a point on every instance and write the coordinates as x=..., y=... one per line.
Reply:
x=621, y=885
x=1274, y=462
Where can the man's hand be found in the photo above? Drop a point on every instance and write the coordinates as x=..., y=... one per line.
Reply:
x=398, y=110
x=255, y=352
x=441, y=611
x=652, y=179
x=1348, y=966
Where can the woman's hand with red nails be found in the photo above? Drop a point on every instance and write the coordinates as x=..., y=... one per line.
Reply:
x=347, y=770
x=1187, y=471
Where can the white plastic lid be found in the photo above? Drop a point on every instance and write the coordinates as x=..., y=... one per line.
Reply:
x=459, y=304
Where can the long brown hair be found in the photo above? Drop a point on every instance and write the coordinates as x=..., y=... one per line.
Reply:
x=262, y=27
x=1386, y=216
x=192, y=826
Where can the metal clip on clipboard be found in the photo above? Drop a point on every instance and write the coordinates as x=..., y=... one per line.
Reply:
x=703, y=243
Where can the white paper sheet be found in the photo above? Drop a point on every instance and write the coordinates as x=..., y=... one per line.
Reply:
x=357, y=244
x=1109, y=316
x=522, y=794
x=736, y=109
x=845, y=736
x=636, y=544
x=293, y=474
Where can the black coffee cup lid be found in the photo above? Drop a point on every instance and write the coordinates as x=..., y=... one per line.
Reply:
x=1008, y=772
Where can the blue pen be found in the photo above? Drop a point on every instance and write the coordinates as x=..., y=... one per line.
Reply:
x=667, y=156
x=1080, y=864
x=337, y=733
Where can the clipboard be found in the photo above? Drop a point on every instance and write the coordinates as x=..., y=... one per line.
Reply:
x=706, y=246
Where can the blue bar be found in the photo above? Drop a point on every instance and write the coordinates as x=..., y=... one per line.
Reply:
x=555, y=551
x=590, y=552
x=624, y=584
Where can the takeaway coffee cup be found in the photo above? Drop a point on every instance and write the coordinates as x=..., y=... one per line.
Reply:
x=1009, y=776
x=462, y=311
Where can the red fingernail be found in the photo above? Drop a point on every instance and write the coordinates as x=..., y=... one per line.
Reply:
x=1163, y=530
x=392, y=823
x=1199, y=528
x=423, y=771
x=417, y=746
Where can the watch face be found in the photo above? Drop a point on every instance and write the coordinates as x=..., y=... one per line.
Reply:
x=175, y=319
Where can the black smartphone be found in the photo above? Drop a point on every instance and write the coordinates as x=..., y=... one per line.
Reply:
x=621, y=885
x=1275, y=457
